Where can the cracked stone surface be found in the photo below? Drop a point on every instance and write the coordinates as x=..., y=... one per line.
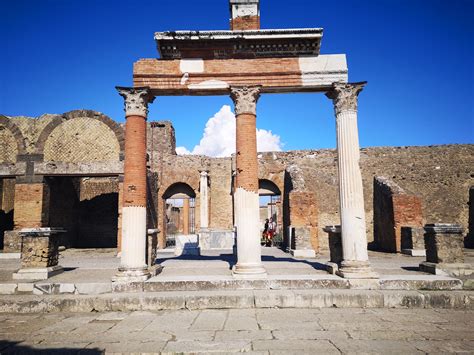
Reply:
x=258, y=331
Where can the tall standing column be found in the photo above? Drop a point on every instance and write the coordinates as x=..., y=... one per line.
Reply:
x=204, y=202
x=355, y=262
x=246, y=202
x=185, y=216
x=133, y=265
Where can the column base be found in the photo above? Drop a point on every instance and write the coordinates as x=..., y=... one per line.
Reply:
x=356, y=270
x=414, y=252
x=37, y=273
x=447, y=269
x=249, y=271
x=131, y=275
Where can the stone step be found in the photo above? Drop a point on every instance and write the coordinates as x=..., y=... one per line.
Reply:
x=220, y=283
x=236, y=300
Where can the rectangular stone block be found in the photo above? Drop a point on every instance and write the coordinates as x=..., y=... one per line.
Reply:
x=11, y=242
x=216, y=239
x=335, y=243
x=444, y=243
x=39, y=251
x=413, y=238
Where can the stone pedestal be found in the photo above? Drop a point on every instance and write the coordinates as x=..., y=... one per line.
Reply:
x=301, y=249
x=152, y=244
x=444, y=250
x=413, y=241
x=39, y=254
x=186, y=245
x=335, y=248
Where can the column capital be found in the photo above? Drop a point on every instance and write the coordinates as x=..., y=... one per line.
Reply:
x=245, y=98
x=136, y=100
x=344, y=96
x=203, y=173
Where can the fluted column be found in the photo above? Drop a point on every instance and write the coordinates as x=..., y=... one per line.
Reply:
x=246, y=202
x=133, y=265
x=355, y=262
x=204, y=202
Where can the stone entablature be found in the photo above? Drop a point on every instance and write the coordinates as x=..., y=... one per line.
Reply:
x=215, y=77
x=239, y=44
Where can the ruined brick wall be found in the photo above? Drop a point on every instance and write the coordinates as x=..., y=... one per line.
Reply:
x=31, y=128
x=75, y=136
x=91, y=187
x=82, y=139
x=393, y=209
x=245, y=23
x=440, y=175
x=161, y=141
x=220, y=194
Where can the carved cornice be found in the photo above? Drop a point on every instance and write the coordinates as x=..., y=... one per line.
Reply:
x=136, y=100
x=245, y=99
x=344, y=96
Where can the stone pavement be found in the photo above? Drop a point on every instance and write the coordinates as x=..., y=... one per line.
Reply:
x=258, y=331
x=99, y=265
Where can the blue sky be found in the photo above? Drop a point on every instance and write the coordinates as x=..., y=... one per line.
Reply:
x=417, y=56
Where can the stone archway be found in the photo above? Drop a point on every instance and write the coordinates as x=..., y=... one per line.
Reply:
x=271, y=207
x=178, y=212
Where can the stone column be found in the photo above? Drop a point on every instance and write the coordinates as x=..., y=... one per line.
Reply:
x=204, y=205
x=133, y=265
x=246, y=201
x=355, y=262
x=186, y=216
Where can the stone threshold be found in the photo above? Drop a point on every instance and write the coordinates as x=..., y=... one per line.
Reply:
x=217, y=283
x=153, y=301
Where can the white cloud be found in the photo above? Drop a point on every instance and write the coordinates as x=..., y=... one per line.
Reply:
x=218, y=139
x=182, y=151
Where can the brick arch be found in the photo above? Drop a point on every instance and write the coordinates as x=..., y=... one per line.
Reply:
x=185, y=186
x=269, y=185
x=111, y=124
x=15, y=131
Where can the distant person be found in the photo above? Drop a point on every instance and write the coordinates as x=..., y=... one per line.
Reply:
x=271, y=231
x=265, y=232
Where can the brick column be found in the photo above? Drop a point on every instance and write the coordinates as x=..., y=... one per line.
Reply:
x=133, y=265
x=31, y=206
x=355, y=262
x=246, y=202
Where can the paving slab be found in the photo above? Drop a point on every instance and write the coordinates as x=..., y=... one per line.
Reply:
x=210, y=320
x=314, y=346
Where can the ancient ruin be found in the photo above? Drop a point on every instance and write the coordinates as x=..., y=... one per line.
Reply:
x=113, y=185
